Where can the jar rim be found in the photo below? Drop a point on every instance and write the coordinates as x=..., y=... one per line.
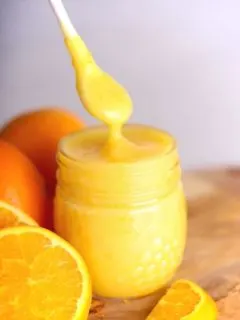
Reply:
x=68, y=145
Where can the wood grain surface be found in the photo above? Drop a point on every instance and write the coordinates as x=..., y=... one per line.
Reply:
x=212, y=256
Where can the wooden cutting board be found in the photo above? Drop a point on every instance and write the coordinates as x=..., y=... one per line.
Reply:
x=212, y=256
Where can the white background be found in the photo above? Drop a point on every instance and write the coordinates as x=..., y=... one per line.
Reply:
x=180, y=61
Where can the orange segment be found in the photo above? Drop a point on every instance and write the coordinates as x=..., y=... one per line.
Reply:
x=11, y=216
x=185, y=300
x=41, y=277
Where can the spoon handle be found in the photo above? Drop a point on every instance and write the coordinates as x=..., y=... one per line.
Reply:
x=63, y=18
x=75, y=45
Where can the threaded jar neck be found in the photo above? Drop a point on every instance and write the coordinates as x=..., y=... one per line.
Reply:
x=113, y=184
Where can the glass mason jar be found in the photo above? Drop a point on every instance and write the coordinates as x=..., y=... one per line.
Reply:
x=128, y=218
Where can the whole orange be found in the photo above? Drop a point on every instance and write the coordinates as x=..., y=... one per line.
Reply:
x=21, y=184
x=37, y=134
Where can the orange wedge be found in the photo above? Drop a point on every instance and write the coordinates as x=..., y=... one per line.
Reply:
x=185, y=300
x=41, y=277
x=11, y=216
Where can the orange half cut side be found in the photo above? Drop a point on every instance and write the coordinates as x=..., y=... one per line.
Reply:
x=185, y=300
x=41, y=277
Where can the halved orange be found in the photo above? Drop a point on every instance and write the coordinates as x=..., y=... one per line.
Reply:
x=41, y=277
x=11, y=216
x=185, y=300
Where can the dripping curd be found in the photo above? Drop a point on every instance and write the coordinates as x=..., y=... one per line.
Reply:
x=106, y=100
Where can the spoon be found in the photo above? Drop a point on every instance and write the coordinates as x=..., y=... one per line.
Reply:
x=102, y=96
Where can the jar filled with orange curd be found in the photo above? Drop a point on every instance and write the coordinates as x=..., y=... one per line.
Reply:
x=126, y=217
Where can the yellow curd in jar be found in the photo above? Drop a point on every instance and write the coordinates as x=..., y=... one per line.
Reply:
x=127, y=217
